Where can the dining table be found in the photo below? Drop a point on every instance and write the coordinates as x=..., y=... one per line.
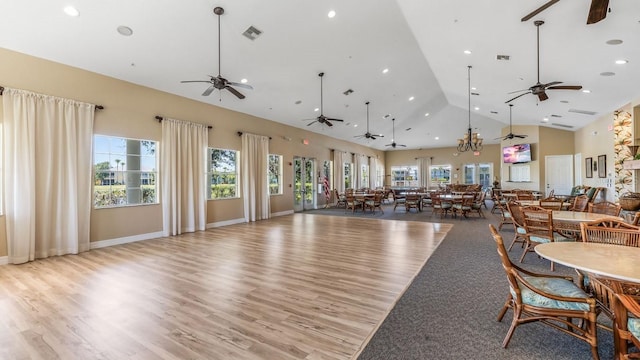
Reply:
x=614, y=261
x=568, y=222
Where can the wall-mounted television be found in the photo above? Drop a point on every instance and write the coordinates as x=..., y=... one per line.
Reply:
x=516, y=154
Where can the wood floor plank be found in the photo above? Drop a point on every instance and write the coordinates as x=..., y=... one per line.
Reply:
x=294, y=287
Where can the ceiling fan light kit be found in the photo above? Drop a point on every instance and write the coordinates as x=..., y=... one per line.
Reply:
x=218, y=82
x=470, y=141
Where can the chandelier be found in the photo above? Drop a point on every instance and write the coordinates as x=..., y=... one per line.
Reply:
x=470, y=141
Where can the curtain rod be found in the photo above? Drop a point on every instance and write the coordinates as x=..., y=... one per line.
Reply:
x=160, y=118
x=240, y=134
x=98, y=107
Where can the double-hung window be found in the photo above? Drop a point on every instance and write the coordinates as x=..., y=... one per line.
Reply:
x=222, y=174
x=275, y=174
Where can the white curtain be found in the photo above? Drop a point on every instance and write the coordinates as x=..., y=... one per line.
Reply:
x=424, y=173
x=373, y=168
x=338, y=170
x=254, y=169
x=47, y=147
x=183, y=183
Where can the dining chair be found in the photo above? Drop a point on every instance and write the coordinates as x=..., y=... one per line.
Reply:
x=341, y=200
x=605, y=207
x=352, y=203
x=551, y=203
x=374, y=203
x=538, y=223
x=636, y=219
x=505, y=215
x=553, y=300
x=397, y=199
x=517, y=216
x=463, y=205
x=412, y=201
x=440, y=205
x=580, y=203
x=478, y=203
x=626, y=326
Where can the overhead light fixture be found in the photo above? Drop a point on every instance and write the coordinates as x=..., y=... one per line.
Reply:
x=316, y=109
x=586, y=91
x=125, y=30
x=331, y=14
x=71, y=11
x=426, y=114
x=621, y=62
x=468, y=52
x=411, y=98
x=244, y=81
x=470, y=141
x=385, y=71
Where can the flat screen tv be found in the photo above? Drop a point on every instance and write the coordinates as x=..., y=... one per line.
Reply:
x=516, y=154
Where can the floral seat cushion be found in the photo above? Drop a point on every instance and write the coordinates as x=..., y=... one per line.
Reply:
x=556, y=237
x=555, y=286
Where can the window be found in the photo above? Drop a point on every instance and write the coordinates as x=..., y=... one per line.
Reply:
x=379, y=176
x=365, y=176
x=478, y=174
x=275, y=174
x=347, y=175
x=124, y=171
x=440, y=175
x=222, y=174
x=406, y=176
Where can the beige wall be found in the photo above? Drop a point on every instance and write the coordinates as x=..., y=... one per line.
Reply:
x=129, y=112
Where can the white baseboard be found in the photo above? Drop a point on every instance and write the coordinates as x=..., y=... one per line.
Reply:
x=225, y=223
x=125, y=240
x=4, y=260
x=282, y=213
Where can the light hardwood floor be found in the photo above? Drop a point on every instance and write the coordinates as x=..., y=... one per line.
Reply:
x=294, y=287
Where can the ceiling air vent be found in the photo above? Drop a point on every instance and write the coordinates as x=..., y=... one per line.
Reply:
x=562, y=125
x=556, y=116
x=585, y=112
x=252, y=33
x=348, y=92
x=502, y=57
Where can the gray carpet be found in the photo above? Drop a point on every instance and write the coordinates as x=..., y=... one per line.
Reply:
x=450, y=309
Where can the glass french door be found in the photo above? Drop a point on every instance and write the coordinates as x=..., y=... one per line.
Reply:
x=304, y=184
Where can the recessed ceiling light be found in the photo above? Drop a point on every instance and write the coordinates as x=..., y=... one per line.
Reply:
x=586, y=91
x=411, y=98
x=437, y=138
x=545, y=119
x=476, y=108
x=71, y=11
x=473, y=88
x=316, y=109
x=356, y=125
x=385, y=71
x=426, y=114
x=614, y=42
x=621, y=62
x=125, y=30
x=331, y=14
x=244, y=81
x=468, y=52
x=607, y=73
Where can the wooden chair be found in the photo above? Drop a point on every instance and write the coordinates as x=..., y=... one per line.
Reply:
x=412, y=201
x=463, y=205
x=478, y=203
x=505, y=216
x=580, y=203
x=636, y=219
x=440, y=206
x=524, y=195
x=605, y=207
x=626, y=327
x=552, y=300
x=517, y=216
x=551, y=203
x=352, y=203
x=397, y=199
x=538, y=223
x=375, y=203
x=341, y=200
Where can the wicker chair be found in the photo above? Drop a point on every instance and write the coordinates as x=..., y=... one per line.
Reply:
x=552, y=203
x=440, y=205
x=517, y=216
x=412, y=201
x=538, y=223
x=397, y=199
x=353, y=203
x=551, y=300
x=626, y=328
x=464, y=205
x=605, y=207
x=375, y=203
x=505, y=216
x=580, y=203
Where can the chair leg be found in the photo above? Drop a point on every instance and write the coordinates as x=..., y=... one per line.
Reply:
x=506, y=307
x=514, y=324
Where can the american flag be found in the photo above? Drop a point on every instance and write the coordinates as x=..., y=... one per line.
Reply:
x=327, y=192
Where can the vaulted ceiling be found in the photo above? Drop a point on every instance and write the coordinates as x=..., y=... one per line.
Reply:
x=420, y=42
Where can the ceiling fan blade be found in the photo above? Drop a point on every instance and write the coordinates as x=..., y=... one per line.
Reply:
x=332, y=119
x=208, y=91
x=244, y=86
x=523, y=94
x=520, y=136
x=328, y=123
x=539, y=10
x=195, y=81
x=597, y=11
x=542, y=96
x=311, y=123
x=234, y=92
x=401, y=145
x=552, y=83
x=517, y=91
x=565, y=87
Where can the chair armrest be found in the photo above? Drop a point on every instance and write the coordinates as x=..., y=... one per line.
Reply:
x=630, y=303
x=588, y=300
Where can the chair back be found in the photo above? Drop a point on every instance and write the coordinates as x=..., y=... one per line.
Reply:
x=610, y=231
x=524, y=195
x=580, y=203
x=605, y=207
x=552, y=203
x=538, y=222
x=507, y=265
x=517, y=215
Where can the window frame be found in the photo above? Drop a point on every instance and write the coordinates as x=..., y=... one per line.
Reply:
x=211, y=173
x=277, y=176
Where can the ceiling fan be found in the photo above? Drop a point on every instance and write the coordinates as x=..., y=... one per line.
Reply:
x=393, y=141
x=322, y=119
x=539, y=89
x=597, y=10
x=368, y=135
x=511, y=135
x=218, y=82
